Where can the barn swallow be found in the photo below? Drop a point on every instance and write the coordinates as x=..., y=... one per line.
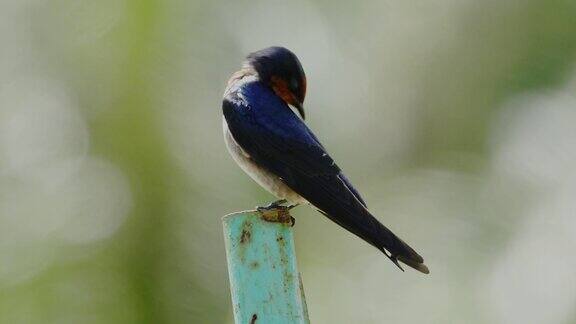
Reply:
x=265, y=133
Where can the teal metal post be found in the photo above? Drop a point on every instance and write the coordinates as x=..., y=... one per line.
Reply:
x=264, y=280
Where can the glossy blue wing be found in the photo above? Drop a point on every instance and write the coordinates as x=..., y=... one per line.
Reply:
x=273, y=135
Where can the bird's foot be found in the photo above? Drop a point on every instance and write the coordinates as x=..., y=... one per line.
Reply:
x=278, y=213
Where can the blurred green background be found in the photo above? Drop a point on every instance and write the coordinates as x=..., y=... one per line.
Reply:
x=455, y=119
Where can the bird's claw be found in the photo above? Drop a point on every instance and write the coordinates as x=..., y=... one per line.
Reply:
x=277, y=213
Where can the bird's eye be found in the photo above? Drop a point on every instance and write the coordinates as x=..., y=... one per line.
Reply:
x=293, y=85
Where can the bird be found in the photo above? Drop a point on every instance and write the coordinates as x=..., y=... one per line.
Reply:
x=265, y=133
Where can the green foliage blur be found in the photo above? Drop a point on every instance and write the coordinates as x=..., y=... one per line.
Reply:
x=455, y=119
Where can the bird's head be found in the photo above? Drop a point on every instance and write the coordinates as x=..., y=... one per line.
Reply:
x=281, y=70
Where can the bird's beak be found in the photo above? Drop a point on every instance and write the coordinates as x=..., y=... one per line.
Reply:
x=300, y=108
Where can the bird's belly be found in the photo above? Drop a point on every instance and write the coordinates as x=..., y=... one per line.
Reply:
x=263, y=177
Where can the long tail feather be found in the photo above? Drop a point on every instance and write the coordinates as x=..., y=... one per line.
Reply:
x=386, y=241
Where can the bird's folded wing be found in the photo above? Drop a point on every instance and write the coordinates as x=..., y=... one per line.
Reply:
x=275, y=143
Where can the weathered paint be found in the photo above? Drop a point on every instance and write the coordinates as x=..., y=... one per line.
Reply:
x=264, y=279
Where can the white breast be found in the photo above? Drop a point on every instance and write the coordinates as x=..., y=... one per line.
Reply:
x=263, y=177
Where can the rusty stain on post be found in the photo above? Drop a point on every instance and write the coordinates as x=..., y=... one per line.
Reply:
x=264, y=280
